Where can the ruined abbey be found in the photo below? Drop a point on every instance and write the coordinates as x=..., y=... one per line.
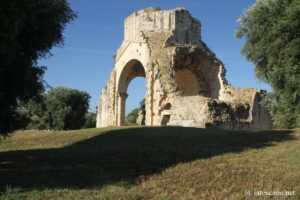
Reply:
x=185, y=81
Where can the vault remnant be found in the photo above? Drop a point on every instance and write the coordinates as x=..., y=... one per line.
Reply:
x=185, y=81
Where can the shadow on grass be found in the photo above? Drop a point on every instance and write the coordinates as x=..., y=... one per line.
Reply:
x=123, y=155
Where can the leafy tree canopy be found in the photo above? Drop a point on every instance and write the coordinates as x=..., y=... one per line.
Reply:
x=132, y=116
x=59, y=109
x=28, y=30
x=90, y=120
x=271, y=29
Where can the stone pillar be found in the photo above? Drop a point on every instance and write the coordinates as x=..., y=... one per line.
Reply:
x=99, y=112
x=121, y=108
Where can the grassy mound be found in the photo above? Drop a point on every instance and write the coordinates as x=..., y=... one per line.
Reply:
x=149, y=163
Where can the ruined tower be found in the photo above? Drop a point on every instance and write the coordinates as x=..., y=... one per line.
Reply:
x=185, y=81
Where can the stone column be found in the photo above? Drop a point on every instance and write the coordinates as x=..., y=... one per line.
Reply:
x=121, y=108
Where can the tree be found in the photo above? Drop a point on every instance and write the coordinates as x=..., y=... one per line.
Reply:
x=271, y=29
x=22, y=118
x=132, y=116
x=90, y=120
x=59, y=109
x=143, y=106
x=28, y=30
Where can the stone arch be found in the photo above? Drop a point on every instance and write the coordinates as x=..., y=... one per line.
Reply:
x=195, y=74
x=132, y=69
x=163, y=46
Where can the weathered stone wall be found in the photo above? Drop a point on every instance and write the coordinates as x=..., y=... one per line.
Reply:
x=106, y=112
x=186, y=29
x=185, y=82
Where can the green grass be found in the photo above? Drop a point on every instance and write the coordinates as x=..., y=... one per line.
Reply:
x=149, y=163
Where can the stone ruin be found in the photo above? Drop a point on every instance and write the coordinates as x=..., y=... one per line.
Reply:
x=185, y=81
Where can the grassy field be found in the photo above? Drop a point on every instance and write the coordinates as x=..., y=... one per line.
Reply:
x=149, y=163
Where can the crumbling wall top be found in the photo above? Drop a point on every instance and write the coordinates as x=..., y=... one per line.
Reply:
x=179, y=21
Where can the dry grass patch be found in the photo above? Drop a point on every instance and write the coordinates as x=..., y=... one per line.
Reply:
x=149, y=163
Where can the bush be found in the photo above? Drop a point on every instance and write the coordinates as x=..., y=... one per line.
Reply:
x=59, y=109
x=132, y=116
x=90, y=120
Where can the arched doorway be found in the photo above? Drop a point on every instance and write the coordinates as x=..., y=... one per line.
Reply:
x=131, y=70
x=135, y=105
x=192, y=82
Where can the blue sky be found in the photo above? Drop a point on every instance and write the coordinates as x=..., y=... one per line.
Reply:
x=86, y=59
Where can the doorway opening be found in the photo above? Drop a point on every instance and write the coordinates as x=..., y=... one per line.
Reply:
x=131, y=91
x=135, y=103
